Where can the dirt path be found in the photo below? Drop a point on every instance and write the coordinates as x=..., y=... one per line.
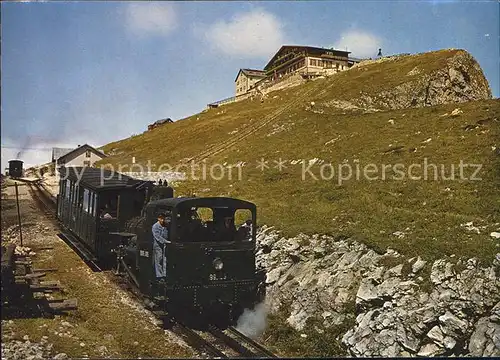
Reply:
x=109, y=322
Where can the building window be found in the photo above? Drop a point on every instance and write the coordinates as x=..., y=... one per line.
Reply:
x=86, y=163
x=315, y=62
x=87, y=153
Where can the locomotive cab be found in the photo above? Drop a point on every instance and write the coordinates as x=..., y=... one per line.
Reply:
x=210, y=273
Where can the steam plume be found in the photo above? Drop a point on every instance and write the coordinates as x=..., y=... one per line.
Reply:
x=26, y=144
x=253, y=322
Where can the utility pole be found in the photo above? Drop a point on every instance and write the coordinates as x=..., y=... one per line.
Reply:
x=18, y=214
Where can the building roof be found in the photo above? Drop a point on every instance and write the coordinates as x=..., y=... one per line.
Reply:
x=98, y=178
x=58, y=152
x=251, y=73
x=162, y=121
x=82, y=148
x=306, y=48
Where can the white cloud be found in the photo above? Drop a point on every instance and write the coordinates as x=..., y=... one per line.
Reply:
x=359, y=43
x=153, y=18
x=252, y=34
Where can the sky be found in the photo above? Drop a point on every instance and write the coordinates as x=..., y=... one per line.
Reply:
x=96, y=72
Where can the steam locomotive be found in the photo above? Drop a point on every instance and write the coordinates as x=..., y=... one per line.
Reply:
x=16, y=168
x=211, y=276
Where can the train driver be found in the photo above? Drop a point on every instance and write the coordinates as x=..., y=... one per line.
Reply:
x=160, y=238
x=228, y=230
x=245, y=230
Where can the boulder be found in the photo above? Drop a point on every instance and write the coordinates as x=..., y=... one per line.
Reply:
x=452, y=324
x=273, y=276
x=418, y=265
x=430, y=350
x=485, y=340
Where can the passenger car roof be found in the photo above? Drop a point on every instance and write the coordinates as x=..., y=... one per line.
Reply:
x=212, y=202
x=98, y=179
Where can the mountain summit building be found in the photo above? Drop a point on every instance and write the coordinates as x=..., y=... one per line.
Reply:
x=307, y=61
x=246, y=79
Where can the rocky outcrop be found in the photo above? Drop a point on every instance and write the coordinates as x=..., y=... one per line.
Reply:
x=459, y=79
x=485, y=340
x=450, y=306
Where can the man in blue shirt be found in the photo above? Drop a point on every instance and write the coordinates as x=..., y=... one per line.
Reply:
x=160, y=236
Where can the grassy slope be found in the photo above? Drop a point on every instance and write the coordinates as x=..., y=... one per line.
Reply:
x=427, y=212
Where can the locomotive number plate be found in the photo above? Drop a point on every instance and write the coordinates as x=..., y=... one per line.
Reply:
x=213, y=277
x=143, y=253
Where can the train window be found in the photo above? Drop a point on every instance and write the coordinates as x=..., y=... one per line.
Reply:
x=194, y=224
x=243, y=222
x=109, y=204
x=62, y=189
x=68, y=189
x=204, y=214
x=73, y=195
x=81, y=196
x=92, y=203
x=86, y=198
x=96, y=201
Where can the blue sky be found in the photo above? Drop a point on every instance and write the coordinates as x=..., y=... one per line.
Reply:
x=96, y=72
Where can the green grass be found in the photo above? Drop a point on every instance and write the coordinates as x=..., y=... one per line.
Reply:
x=99, y=315
x=428, y=212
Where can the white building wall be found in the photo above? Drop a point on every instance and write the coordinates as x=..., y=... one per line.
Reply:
x=82, y=158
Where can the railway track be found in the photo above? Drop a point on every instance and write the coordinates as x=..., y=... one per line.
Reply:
x=215, y=342
x=25, y=285
x=218, y=148
x=47, y=203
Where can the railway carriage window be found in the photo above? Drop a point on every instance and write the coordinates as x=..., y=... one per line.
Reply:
x=76, y=199
x=86, y=198
x=109, y=203
x=93, y=204
x=73, y=195
x=81, y=196
x=67, y=193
